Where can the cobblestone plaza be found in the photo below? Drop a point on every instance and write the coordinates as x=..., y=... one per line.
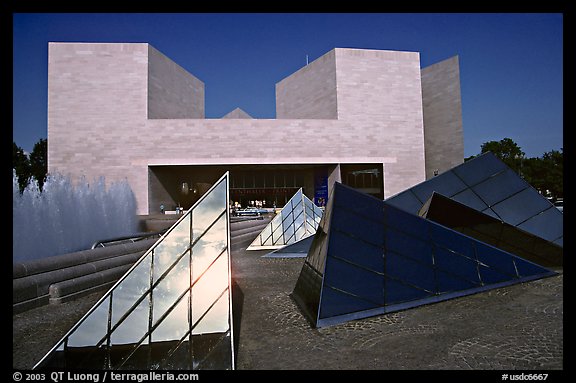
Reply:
x=518, y=327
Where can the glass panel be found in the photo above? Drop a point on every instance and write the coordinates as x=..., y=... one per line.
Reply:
x=397, y=292
x=288, y=228
x=456, y=265
x=93, y=328
x=207, y=290
x=497, y=259
x=406, y=201
x=500, y=187
x=406, y=245
x=469, y=198
x=337, y=303
x=526, y=268
x=208, y=247
x=298, y=208
x=265, y=237
x=208, y=210
x=491, y=213
x=358, y=226
x=405, y=222
x=173, y=245
x=277, y=236
x=301, y=233
x=358, y=252
x=452, y=241
x=175, y=325
x=410, y=272
x=132, y=287
x=447, y=183
x=521, y=206
x=354, y=280
x=548, y=225
x=479, y=168
x=490, y=275
x=449, y=282
x=216, y=319
x=133, y=328
x=170, y=288
x=368, y=207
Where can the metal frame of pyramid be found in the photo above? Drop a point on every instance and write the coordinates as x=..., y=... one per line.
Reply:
x=369, y=257
x=172, y=309
x=488, y=185
x=297, y=220
x=491, y=230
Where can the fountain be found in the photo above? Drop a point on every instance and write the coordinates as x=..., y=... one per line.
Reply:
x=64, y=218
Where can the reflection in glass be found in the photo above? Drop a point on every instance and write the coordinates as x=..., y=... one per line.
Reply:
x=173, y=307
x=92, y=329
x=134, y=326
x=174, y=243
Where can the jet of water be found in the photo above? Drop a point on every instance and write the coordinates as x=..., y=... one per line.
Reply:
x=63, y=217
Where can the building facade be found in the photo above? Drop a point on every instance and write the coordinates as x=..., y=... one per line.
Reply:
x=372, y=119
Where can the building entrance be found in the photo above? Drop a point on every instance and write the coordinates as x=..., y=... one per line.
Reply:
x=266, y=185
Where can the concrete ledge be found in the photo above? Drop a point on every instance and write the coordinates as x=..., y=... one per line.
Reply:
x=250, y=229
x=30, y=304
x=75, y=288
x=39, y=284
x=69, y=276
x=23, y=269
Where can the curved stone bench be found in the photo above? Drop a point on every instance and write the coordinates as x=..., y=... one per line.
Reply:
x=64, y=277
x=31, y=281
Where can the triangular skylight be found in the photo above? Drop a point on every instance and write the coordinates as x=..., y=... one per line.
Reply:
x=171, y=310
x=297, y=220
x=487, y=184
x=369, y=258
x=491, y=230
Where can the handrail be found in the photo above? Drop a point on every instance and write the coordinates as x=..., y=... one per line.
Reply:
x=129, y=238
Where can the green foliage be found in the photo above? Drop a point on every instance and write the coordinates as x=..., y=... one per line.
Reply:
x=34, y=166
x=21, y=164
x=39, y=161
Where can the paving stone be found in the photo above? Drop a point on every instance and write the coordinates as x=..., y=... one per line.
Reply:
x=518, y=327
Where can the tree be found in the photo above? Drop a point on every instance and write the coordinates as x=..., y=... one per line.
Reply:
x=21, y=164
x=39, y=161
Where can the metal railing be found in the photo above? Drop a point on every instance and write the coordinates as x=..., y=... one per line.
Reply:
x=127, y=239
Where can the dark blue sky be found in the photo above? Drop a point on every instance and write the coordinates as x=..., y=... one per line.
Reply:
x=511, y=65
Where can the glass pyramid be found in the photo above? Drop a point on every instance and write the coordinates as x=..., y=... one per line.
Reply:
x=488, y=185
x=171, y=310
x=369, y=258
x=483, y=227
x=297, y=220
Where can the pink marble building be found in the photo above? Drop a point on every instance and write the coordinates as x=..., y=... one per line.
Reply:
x=372, y=119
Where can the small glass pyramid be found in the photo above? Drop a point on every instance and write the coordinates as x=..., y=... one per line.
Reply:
x=171, y=310
x=297, y=220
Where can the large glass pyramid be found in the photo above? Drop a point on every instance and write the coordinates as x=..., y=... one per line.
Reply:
x=486, y=228
x=369, y=258
x=171, y=310
x=488, y=185
x=297, y=220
